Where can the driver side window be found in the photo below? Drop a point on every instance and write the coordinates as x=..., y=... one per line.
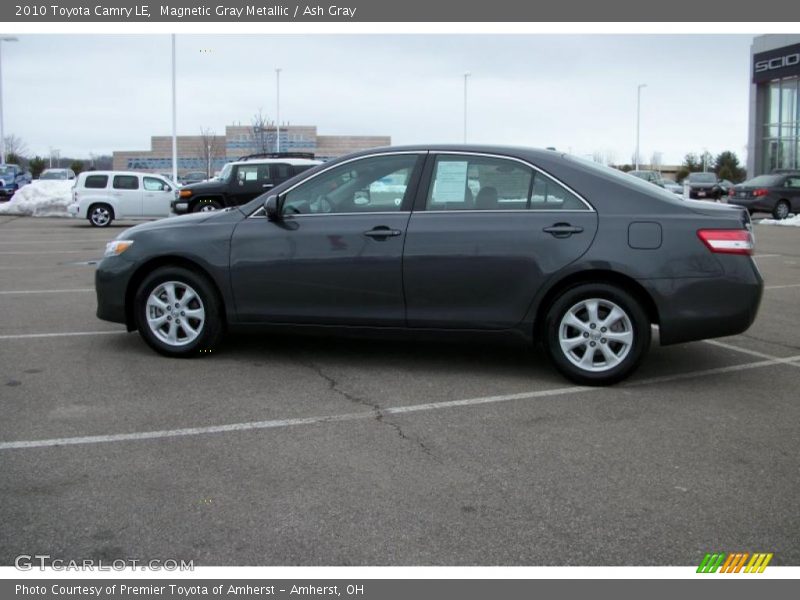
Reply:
x=375, y=184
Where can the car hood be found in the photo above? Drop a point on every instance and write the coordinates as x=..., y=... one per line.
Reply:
x=231, y=215
x=204, y=186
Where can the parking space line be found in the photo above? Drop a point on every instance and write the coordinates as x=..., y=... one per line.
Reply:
x=767, y=255
x=50, y=251
x=283, y=423
x=749, y=352
x=28, y=336
x=781, y=287
x=8, y=292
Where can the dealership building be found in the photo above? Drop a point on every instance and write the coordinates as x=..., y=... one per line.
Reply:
x=195, y=152
x=774, y=123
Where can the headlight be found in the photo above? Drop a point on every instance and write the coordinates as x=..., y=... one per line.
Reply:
x=117, y=247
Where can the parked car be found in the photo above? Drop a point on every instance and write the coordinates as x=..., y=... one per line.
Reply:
x=704, y=186
x=102, y=196
x=192, y=177
x=395, y=242
x=241, y=181
x=777, y=194
x=674, y=187
x=650, y=176
x=57, y=174
x=12, y=177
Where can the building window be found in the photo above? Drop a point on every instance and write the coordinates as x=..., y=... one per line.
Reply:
x=781, y=134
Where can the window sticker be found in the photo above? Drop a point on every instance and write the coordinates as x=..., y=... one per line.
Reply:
x=450, y=182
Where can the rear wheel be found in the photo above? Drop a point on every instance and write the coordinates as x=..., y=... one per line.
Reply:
x=100, y=215
x=781, y=210
x=178, y=312
x=596, y=334
x=206, y=205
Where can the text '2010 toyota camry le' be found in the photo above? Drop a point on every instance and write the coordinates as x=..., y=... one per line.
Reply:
x=438, y=239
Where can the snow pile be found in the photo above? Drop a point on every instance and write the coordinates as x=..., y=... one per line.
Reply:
x=790, y=221
x=40, y=199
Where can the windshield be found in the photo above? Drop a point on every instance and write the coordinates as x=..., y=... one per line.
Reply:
x=764, y=181
x=226, y=172
x=54, y=175
x=702, y=178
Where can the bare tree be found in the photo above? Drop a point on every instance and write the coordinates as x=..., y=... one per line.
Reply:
x=14, y=145
x=211, y=148
x=260, y=126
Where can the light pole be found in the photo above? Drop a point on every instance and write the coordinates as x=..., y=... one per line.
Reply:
x=2, y=132
x=278, y=110
x=466, y=76
x=174, y=119
x=638, y=119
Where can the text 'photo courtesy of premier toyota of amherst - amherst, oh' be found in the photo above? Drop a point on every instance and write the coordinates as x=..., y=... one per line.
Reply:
x=452, y=303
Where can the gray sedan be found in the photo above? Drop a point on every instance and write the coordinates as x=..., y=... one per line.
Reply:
x=480, y=241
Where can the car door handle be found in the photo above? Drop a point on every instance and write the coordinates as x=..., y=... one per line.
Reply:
x=266, y=186
x=561, y=230
x=382, y=232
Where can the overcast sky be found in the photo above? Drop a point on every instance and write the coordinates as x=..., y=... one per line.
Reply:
x=86, y=93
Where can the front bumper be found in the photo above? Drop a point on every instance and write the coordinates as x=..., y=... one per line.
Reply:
x=180, y=207
x=111, y=281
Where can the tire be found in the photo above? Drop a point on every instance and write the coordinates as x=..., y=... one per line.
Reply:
x=100, y=215
x=206, y=205
x=162, y=318
x=570, y=333
x=781, y=210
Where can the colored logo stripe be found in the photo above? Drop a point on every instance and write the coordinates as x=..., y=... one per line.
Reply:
x=733, y=562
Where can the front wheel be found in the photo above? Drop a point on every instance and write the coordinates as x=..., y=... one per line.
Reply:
x=178, y=312
x=207, y=205
x=596, y=334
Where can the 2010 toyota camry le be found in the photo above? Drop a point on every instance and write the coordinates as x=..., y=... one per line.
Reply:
x=442, y=240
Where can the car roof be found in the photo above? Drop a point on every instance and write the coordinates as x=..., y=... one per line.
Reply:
x=87, y=173
x=284, y=161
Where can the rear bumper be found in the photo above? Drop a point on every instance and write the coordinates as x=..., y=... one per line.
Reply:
x=693, y=309
x=111, y=281
x=762, y=204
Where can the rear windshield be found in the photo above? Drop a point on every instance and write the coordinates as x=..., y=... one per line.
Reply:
x=764, y=181
x=702, y=178
x=96, y=181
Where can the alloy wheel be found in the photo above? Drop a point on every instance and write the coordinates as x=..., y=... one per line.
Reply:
x=175, y=313
x=595, y=335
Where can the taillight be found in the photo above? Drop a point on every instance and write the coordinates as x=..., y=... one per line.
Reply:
x=760, y=192
x=731, y=192
x=727, y=241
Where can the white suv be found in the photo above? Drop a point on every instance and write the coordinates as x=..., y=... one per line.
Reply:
x=102, y=196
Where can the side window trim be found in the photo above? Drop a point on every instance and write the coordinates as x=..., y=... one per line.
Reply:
x=422, y=193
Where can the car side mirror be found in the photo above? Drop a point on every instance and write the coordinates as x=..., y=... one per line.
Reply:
x=272, y=208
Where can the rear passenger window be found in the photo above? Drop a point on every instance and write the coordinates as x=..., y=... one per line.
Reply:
x=548, y=195
x=96, y=181
x=126, y=182
x=281, y=172
x=479, y=183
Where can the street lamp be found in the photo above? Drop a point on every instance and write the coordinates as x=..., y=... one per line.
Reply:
x=466, y=76
x=2, y=133
x=174, y=119
x=278, y=111
x=638, y=119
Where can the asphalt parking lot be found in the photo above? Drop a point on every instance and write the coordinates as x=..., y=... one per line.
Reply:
x=285, y=451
